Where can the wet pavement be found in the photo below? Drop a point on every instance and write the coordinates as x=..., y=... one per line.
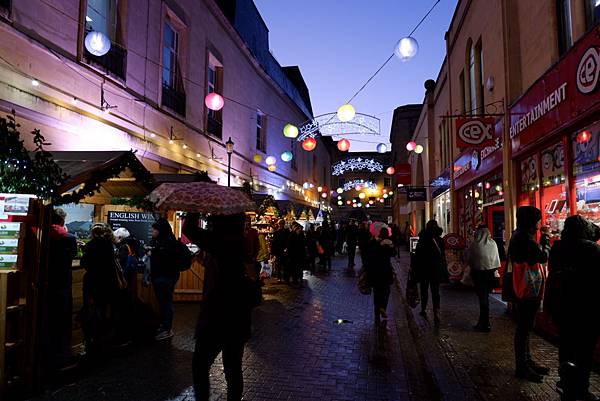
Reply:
x=301, y=351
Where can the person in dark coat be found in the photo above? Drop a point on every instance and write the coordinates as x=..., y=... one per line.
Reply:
x=59, y=316
x=278, y=249
x=573, y=302
x=523, y=248
x=296, y=253
x=364, y=236
x=326, y=241
x=100, y=287
x=224, y=319
x=545, y=241
x=430, y=266
x=311, y=248
x=164, y=274
x=379, y=271
x=351, y=242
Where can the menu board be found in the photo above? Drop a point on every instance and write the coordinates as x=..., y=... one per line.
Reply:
x=14, y=205
x=139, y=224
x=9, y=245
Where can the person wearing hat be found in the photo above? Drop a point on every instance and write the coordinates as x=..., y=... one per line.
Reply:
x=523, y=248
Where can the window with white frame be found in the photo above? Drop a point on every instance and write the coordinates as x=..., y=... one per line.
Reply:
x=261, y=131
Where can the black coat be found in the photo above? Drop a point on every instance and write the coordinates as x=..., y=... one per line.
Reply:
x=572, y=296
x=280, y=241
x=429, y=262
x=379, y=270
x=296, y=247
x=63, y=249
x=100, y=279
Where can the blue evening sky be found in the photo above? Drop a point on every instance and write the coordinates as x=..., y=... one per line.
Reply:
x=340, y=44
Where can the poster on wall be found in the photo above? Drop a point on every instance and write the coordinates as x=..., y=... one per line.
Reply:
x=529, y=177
x=80, y=218
x=139, y=224
x=553, y=165
x=9, y=245
x=14, y=205
x=586, y=150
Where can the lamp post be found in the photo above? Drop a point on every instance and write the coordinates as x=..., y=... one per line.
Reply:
x=229, y=146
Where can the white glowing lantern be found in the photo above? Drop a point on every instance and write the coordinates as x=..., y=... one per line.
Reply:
x=346, y=113
x=406, y=48
x=362, y=195
x=97, y=43
x=382, y=148
x=214, y=101
x=339, y=190
x=419, y=149
x=287, y=156
x=270, y=160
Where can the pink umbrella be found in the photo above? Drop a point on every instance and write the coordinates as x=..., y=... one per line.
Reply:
x=201, y=197
x=376, y=227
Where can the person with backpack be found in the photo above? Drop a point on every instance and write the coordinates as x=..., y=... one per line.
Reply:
x=573, y=302
x=484, y=260
x=228, y=297
x=167, y=259
x=527, y=275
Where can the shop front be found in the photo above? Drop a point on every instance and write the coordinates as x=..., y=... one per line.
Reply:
x=442, y=200
x=555, y=139
x=479, y=189
x=555, y=135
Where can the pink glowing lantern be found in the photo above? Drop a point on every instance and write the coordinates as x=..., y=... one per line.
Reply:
x=214, y=101
x=411, y=146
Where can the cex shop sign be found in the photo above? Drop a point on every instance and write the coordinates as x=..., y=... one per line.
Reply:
x=474, y=132
x=565, y=92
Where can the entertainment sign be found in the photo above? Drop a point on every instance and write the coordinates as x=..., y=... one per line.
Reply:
x=563, y=93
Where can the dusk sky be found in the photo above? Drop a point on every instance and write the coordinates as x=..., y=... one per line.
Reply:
x=340, y=44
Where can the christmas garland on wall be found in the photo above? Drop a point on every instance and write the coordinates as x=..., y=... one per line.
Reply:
x=34, y=173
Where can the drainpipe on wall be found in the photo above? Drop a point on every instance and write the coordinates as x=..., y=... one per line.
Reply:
x=512, y=89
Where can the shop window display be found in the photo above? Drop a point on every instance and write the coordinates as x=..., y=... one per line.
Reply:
x=586, y=164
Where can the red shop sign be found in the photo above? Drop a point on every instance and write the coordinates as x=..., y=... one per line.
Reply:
x=475, y=163
x=474, y=132
x=567, y=90
x=403, y=173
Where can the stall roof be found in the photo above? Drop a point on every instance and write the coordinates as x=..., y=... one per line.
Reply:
x=117, y=174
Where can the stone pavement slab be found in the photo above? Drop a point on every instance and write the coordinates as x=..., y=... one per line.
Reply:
x=298, y=351
x=482, y=363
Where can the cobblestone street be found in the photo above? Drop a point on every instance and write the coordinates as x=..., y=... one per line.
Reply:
x=300, y=352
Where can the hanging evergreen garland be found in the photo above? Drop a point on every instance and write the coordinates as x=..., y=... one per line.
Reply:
x=19, y=171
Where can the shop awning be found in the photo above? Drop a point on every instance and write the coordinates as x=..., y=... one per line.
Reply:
x=102, y=174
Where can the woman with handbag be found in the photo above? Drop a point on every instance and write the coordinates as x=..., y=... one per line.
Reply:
x=380, y=273
x=484, y=260
x=430, y=266
x=525, y=270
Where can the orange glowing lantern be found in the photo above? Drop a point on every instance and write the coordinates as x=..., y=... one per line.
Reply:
x=309, y=144
x=343, y=145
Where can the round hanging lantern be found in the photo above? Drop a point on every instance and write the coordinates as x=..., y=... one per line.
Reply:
x=362, y=195
x=270, y=160
x=390, y=170
x=488, y=185
x=346, y=113
x=290, y=131
x=419, y=149
x=97, y=43
x=498, y=188
x=584, y=136
x=339, y=190
x=411, y=146
x=309, y=144
x=381, y=148
x=272, y=167
x=343, y=145
x=214, y=101
x=406, y=48
x=287, y=156
x=385, y=196
x=306, y=185
x=319, y=189
x=257, y=158
x=324, y=195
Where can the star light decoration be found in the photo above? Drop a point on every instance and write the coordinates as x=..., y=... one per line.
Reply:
x=330, y=125
x=356, y=164
x=362, y=184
